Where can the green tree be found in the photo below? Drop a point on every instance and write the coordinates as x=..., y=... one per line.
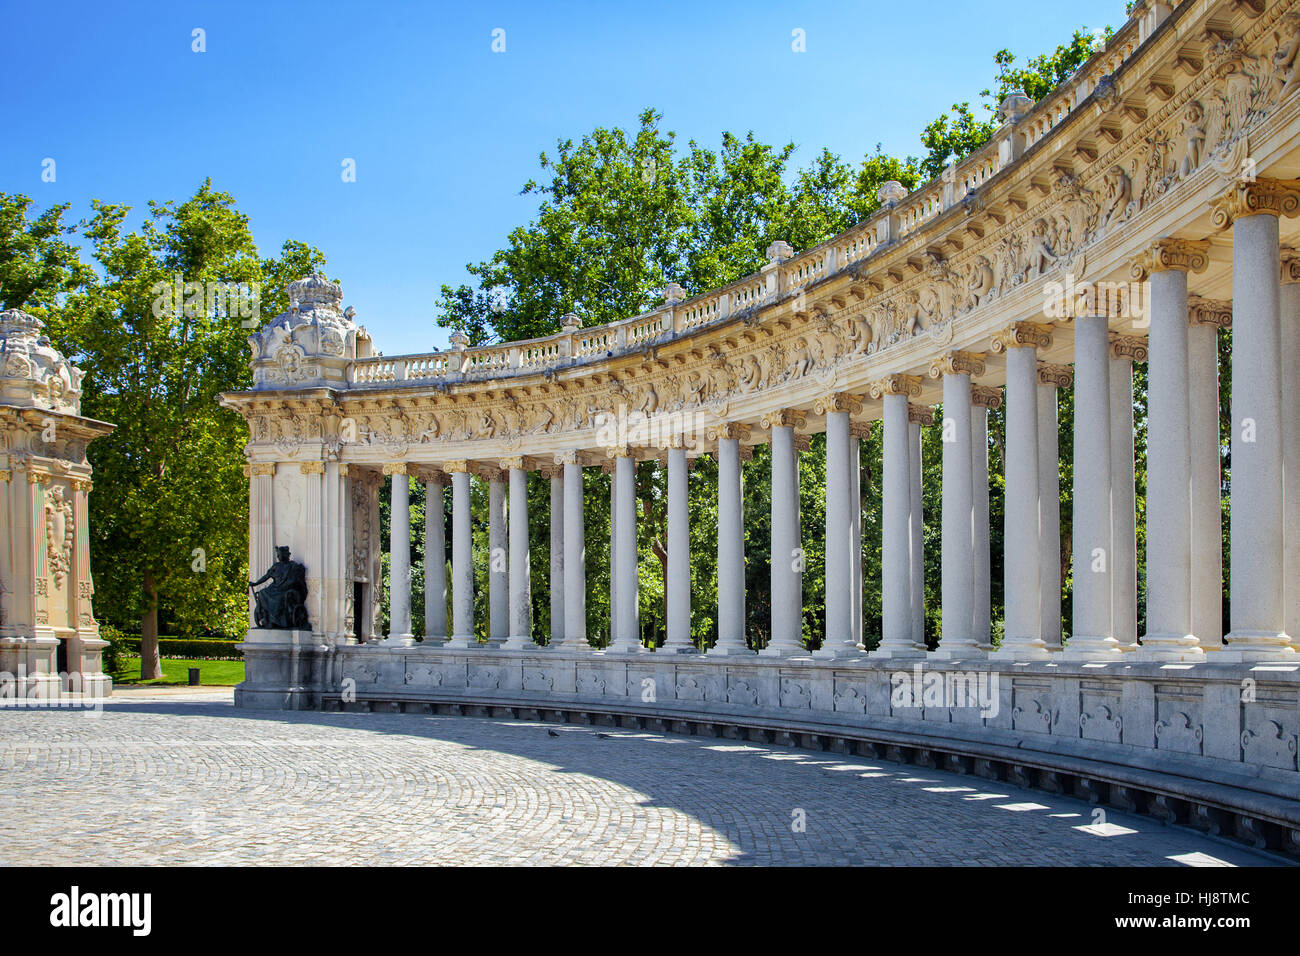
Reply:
x=169, y=511
x=38, y=266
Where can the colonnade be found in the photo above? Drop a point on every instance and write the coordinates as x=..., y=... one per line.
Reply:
x=1183, y=521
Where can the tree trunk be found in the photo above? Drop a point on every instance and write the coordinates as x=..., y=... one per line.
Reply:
x=150, y=665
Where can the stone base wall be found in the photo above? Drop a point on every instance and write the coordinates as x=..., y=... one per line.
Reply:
x=1220, y=737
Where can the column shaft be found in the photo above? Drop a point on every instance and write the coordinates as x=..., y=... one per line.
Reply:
x=678, y=638
x=981, y=571
x=498, y=564
x=462, y=564
x=958, y=586
x=399, y=561
x=916, y=532
x=1049, y=516
x=1092, y=638
x=1022, y=638
x=1291, y=456
x=1256, y=585
x=897, y=622
x=1169, y=500
x=521, y=601
x=731, y=552
x=557, y=558
x=1207, y=505
x=575, y=560
x=787, y=597
x=435, y=563
x=1123, y=512
x=627, y=626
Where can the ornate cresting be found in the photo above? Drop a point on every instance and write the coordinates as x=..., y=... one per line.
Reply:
x=49, y=639
x=1116, y=221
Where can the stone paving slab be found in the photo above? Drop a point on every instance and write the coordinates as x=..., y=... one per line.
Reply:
x=198, y=782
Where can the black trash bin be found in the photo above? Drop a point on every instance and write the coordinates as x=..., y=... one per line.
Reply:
x=194, y=677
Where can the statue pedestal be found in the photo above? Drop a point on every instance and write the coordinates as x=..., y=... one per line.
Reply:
x=284, y=669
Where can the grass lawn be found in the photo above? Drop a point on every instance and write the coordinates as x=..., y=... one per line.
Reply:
x=176, y=671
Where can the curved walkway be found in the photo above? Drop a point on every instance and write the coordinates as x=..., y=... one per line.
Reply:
x=176, y=782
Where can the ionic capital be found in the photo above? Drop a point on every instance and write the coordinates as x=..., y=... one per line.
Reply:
x=785, y=418
x=395, y=468
x=859, y=429
x=728, y=430
x=490, y=473
x=564, y=458
x=1058, y=375
x=802, y=443
x=1034, y=335
x=263, y=469
x=456, y=467
x=838, y=402
x=82, y=484
x=957, y=363
x=1202, y=311
x=510, y=464
x=38, y=477
x=909, y=385
x=1131, y=347
x=1171, y=255
x=1270, y=197
x=6, y=475
x=985, y=396
x=312, y=467
x=1290, y=266
x=746, y=452
x=919, y=414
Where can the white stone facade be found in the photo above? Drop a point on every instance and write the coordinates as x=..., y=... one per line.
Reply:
x=49, y=639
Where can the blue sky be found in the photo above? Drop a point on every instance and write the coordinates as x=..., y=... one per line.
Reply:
x=444, y=131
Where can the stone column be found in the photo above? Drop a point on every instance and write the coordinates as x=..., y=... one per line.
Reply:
x=557, y=555
x=787, y=556
x=1290, y=307
x=1022, y=639
x=897, y=630
x=1050, y=378
x=607, y=468
x=1092, y=637
x=575, y=555
x=626, y=636
x=1257, y=584
x=462, y=558
x=982, y=399
x=1169, y=500
x=1204, y=318
x=435, y=560
x=840, y=640
x=1124, y=351
x=678, y=638
x=731, y=544
x=917, y=415
x=399, y=561
x=858, y=432
x=958, y=583
x=498, y=559
x=521, y=598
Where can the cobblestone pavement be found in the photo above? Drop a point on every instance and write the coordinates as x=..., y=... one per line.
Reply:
x=199, y=782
